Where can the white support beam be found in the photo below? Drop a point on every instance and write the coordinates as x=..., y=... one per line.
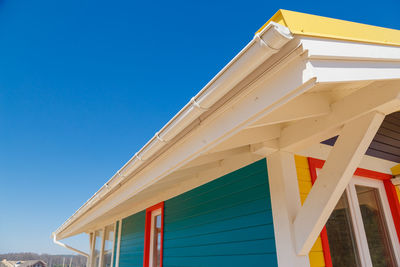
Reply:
x=340, y=166
x=306, y=106
x=384, y=98
x=285, y=201
x=212, y=157
x=265, y=148
x=249, y=136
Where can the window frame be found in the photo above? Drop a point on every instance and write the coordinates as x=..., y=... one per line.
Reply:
x=93, y=244
x=151, y=212
x=390, y=208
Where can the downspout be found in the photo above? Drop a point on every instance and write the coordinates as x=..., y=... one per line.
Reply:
x=69, y=247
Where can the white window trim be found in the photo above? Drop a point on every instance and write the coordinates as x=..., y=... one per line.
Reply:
x=113, y=245
x=119, y=243
x=102, y=247
x=154, y=213
x=385, y=209
x=358, y=224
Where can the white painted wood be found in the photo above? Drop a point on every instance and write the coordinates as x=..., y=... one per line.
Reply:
x=306, y=106
x=343, y=160
x=264, y=95
x=265, y=148
x=113, y=245
x=358, y=227
x=385, y=210
x=321, y=151
x=217, y=156
x=119, y=243
x=102, y=247
x=285, y=201
x=249, y=136
x=330, y=71
x=153, y=222
x=92, y=239
x=323, y=48
x=384, y=98
x=156, y=194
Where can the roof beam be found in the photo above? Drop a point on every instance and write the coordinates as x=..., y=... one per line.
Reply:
x=217, y=156
x=249, y=136
x=299, y=135
x=339, y=168
x=305, y=106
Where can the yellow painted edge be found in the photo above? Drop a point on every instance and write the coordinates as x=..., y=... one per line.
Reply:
x=398, y=192
x=316, y=254
x=396, y=169
x=317, y=26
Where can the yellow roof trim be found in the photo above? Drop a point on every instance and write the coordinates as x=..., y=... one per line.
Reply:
x=317, y=26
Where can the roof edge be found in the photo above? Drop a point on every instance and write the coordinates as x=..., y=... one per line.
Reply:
x=318, y=26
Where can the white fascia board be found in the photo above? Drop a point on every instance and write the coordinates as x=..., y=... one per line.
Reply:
x=320, y=48
x=273, y=89
x=343, y=61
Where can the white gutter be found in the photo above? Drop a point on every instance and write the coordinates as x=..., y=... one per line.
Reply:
x=69, y=247
x=264, y=44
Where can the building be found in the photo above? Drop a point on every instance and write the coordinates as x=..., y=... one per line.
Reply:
x=28, y=263
x=251, y=172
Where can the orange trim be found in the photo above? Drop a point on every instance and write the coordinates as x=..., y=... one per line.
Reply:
x=147, y=232
x=391, y=194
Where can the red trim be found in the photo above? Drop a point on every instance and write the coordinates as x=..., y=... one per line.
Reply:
x=313, y=165
x=147, y=232
x=391, y=193
x=394, y=204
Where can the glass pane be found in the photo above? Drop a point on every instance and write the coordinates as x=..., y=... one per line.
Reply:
x=108, y=246
x=375, y=227
x=341, y=236
x=97, y=247
x=157, y=241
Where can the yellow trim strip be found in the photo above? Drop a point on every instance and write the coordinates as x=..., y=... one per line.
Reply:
x=316, y=254
x=396, y=169
x=317, y=26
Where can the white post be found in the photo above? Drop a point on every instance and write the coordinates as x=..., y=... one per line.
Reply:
x=285, y=201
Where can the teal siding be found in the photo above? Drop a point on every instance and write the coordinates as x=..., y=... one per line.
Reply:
x=132, y=241
x=115, y=243
x=227, y=222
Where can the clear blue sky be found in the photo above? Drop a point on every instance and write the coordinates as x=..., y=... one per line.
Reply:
x=84, y=84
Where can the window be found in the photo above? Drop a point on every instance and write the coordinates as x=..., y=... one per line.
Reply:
x=108, y=246
x=154, y=236
x=97, y=248
x=360, y=230
x=103, y=246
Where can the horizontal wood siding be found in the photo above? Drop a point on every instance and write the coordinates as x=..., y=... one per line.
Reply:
x=316, y=254
x=386, y=143
x=132, y=241
x=227, y=222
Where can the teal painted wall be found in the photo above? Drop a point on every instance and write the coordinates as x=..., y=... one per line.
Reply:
x=227, y=222
x=115, y=243
x=132, y=241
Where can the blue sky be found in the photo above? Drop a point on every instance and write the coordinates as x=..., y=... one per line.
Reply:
x=84, y=84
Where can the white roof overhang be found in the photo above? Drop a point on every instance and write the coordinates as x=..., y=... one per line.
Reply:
x=279, y=93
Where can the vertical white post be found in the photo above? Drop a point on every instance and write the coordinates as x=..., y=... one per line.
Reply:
x=285, y=201
x=119, y=243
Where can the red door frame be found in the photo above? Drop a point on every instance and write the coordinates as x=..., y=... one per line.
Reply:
x=147, y=233
x=391, y=194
